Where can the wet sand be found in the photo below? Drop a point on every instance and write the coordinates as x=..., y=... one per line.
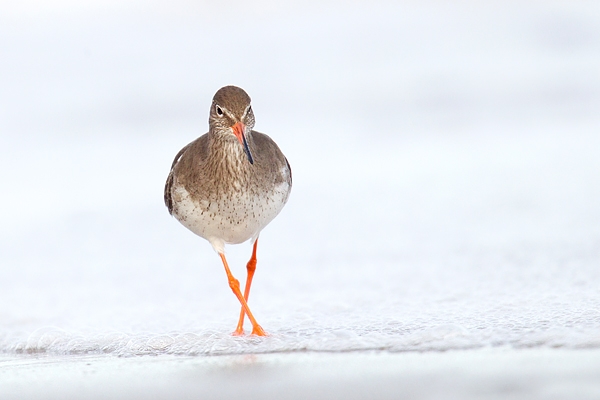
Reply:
x=498, y=373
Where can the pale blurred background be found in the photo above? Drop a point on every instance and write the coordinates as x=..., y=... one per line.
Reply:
x=445, y=159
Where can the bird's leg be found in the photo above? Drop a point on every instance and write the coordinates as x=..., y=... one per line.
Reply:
x=251, y=267
x=234, y=284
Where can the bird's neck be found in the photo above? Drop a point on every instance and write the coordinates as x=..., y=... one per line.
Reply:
x=227, y=155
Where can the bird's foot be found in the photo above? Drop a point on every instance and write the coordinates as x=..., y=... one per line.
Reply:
x=258, y=331
x=238, y=332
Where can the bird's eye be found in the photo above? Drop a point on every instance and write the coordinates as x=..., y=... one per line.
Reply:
x=219, y=110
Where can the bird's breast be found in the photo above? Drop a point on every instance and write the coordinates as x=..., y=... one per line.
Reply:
x=233, y=215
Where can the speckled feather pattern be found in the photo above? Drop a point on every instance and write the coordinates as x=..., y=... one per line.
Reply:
x=215, y=192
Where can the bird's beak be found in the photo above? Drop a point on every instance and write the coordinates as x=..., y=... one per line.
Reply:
x=239, y=130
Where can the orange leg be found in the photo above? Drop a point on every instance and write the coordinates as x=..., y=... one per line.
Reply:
x=251, y=267
x=234, y=284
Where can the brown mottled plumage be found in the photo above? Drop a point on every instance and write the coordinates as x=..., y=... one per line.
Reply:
x=228, y=184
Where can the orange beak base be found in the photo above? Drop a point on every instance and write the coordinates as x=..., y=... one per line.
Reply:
x=239, y=130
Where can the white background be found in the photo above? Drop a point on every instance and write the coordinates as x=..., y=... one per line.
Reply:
x=446, y=175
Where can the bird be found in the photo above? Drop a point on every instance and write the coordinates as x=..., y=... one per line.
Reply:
x=229, y=184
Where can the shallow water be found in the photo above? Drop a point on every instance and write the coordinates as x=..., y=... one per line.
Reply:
x=482, y=374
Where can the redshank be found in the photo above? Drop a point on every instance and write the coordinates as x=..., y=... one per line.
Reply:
x=228, y=184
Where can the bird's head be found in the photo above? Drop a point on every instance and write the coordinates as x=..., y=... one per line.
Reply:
x=231, y=114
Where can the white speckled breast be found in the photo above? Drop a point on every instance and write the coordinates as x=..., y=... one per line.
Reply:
x=229, y=219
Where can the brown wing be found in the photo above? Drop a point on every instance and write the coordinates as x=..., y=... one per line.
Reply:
x=169, y=183
x=190, y=156
x=266, y=149
x=290, y=168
